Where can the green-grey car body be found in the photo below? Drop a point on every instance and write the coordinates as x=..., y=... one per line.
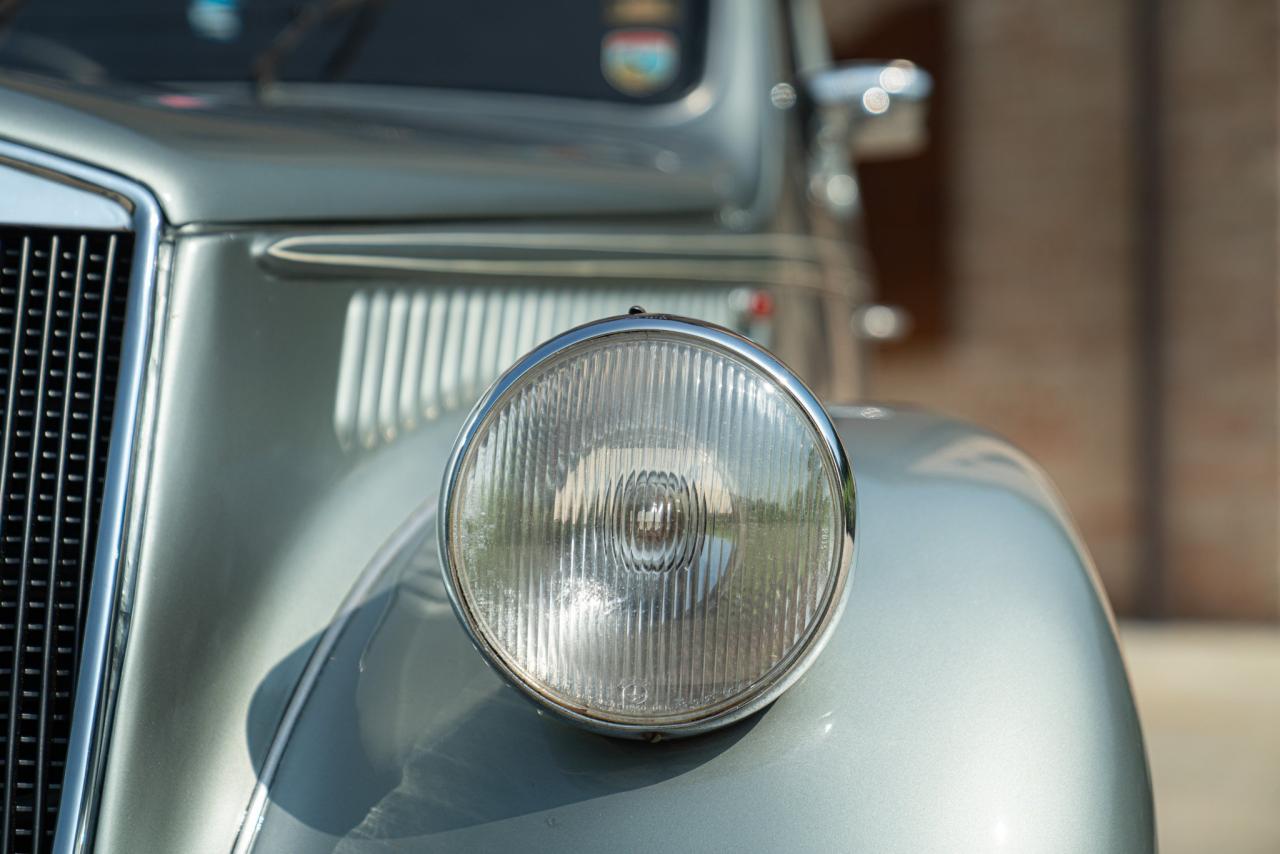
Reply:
x=324, y=278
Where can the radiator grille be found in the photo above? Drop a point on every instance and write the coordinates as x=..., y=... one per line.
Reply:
x=62, y=305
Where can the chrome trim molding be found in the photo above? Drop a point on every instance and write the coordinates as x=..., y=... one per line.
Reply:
x=90, y=720
x=792, y=260
x=800, y=247
x=730, y=271
x=38, y=196
x=410, y=535
x=723, y=339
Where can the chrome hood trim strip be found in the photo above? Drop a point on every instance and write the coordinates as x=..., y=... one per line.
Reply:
x=801, y=247
x=726, y=258
x=43, y=198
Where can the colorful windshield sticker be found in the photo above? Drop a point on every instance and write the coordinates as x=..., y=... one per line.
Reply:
x=640, y=62
x=631, y=13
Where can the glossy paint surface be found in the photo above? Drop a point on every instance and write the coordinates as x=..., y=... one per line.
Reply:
x=54, y=192
x=356, y=153
x=259, y=520
x=256, y=524
x=40, y=199
x=972, y=698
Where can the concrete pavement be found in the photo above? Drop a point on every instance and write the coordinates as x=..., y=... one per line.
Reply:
x=1209, y=697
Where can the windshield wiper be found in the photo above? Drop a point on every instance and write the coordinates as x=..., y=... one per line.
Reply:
x=267, y=63
x=9, y=10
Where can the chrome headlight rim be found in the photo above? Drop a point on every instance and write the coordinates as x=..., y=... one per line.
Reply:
x=786, y=672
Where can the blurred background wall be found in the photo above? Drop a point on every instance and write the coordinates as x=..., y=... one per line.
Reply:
x=1090, y=251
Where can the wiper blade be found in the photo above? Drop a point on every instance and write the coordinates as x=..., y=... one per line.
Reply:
x=9, y=10
x=357, y=34
x=267, y=63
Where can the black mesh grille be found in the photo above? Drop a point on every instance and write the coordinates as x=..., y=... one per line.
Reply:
x=59, y=360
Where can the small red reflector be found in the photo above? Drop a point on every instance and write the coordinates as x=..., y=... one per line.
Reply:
x=760, y=304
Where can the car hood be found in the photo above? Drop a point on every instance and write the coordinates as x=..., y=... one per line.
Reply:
x=223, y=157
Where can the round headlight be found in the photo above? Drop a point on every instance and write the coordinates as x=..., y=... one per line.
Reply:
x=647, y=526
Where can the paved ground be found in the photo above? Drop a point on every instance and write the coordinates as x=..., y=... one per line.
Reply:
x=1209, y=696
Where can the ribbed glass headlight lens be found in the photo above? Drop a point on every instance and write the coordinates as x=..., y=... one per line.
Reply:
x=648, y=525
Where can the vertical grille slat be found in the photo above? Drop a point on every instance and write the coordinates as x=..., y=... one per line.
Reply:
x=91, y=455
x=15, y=587
x=62, y=302
x=50, y=603
x=21, y=649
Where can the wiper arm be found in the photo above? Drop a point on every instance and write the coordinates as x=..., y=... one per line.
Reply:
x=357, y=34
x=9, y=10
x=267, y=63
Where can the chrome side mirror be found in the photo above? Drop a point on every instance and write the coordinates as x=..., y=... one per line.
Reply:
x=881, y=105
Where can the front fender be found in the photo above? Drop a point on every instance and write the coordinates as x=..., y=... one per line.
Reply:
x=972, y=698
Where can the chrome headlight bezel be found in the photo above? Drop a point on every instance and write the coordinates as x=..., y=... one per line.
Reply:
x=787, y=671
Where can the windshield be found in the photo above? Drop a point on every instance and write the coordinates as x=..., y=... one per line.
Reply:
x=622, y=50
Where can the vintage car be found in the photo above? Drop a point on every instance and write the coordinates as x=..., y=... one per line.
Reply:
x=436, y=427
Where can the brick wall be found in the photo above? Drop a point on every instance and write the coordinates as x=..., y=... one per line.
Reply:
x=1041, y=341
x=1221, y=290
